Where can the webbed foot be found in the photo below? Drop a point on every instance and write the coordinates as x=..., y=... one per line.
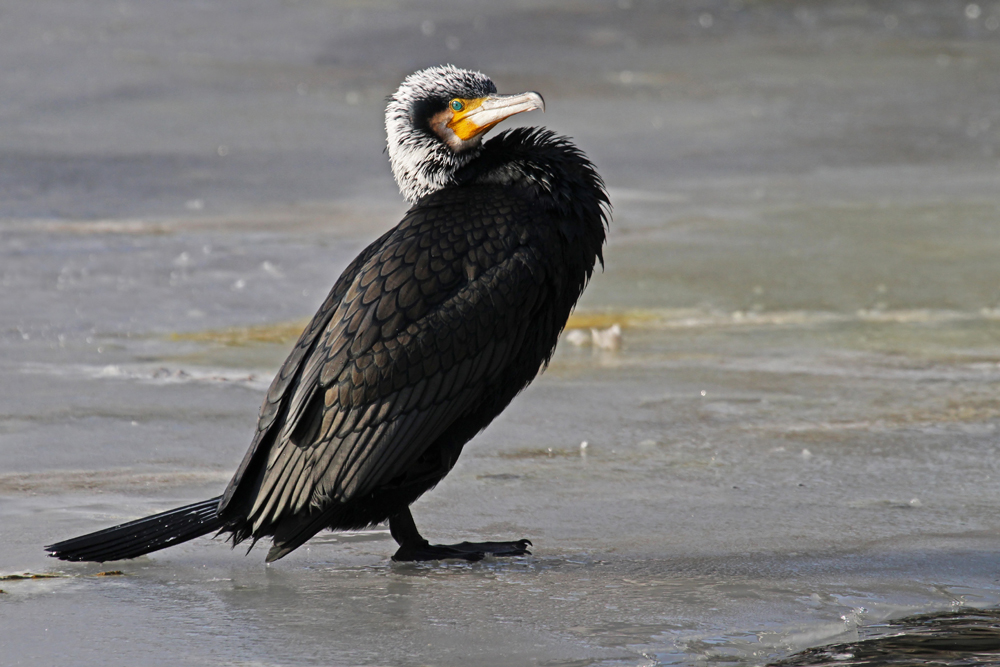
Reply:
x=413, y=547
x=470, y=551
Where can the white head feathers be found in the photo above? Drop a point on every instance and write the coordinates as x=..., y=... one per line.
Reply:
x=421, y=162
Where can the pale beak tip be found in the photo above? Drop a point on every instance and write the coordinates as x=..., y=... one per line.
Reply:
x=541, y=101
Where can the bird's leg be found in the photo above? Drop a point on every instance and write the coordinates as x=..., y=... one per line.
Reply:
x=412, y=546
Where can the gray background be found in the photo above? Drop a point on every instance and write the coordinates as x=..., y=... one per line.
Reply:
x=797, y=438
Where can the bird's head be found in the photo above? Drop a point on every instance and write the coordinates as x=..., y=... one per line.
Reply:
x=435, y=123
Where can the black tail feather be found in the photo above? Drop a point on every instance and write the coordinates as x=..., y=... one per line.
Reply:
x=293, y=533
x=142, y=536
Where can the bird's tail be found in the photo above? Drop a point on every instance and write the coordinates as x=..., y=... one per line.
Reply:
x=142, y=536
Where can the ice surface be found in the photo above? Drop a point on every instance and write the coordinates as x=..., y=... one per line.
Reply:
x=796, y=439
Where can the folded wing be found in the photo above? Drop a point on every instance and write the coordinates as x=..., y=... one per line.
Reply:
x=434, y=315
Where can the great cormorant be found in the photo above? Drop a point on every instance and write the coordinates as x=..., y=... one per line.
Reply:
x=426, y=337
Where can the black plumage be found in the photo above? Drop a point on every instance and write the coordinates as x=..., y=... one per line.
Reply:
x=424, y=339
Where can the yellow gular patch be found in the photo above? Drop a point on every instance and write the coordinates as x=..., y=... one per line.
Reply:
x=464, y=127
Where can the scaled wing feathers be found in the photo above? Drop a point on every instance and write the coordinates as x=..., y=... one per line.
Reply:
x=418, y=336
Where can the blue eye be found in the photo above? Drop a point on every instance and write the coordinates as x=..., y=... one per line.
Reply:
x=456, y=105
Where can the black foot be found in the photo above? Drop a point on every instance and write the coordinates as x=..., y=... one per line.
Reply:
x=414, y=547
x=470, y=551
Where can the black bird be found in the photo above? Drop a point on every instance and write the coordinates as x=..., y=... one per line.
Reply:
x=426, y=337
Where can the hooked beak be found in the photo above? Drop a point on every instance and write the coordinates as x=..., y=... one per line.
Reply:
x=481, y=114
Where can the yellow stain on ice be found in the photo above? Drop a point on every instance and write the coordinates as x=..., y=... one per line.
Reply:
x=276, y=333
x=31, y=575
x=602, y=319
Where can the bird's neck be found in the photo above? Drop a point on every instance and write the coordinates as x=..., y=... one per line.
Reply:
x=523, y=159
x=552, y=172
x=422, y=166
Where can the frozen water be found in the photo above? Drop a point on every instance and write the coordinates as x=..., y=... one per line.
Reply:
x=796, y=440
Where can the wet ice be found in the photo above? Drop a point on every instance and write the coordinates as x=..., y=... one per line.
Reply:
x=795, y=441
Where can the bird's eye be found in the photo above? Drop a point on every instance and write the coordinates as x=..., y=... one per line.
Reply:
x=457, y=105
